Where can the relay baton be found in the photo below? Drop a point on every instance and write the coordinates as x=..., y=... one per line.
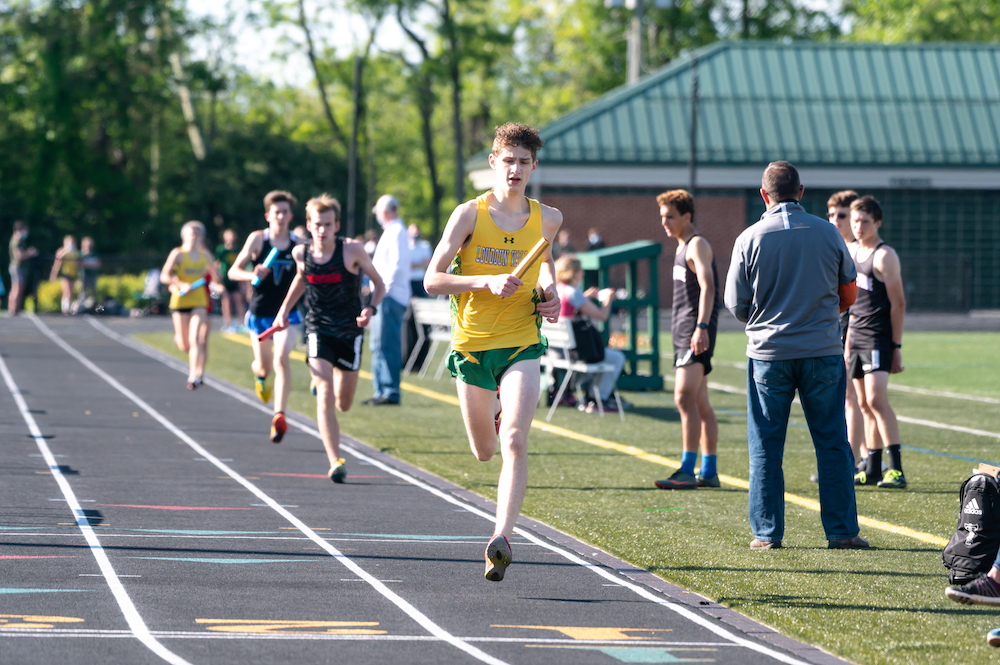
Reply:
x=530, y=258
x=194, y=285
x=266, y=335
x=271, y=256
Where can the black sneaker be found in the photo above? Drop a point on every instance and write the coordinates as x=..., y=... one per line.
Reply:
x=980, y=591
x=678, y=481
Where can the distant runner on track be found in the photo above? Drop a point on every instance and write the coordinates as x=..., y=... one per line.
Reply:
x=189, y=307
x=328, y=272
x=495, y=322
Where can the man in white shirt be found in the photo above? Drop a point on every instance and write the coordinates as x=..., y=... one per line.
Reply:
x=420, y=256
x=392, y=261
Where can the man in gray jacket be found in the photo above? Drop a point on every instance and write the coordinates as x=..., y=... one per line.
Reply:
x=789, y=278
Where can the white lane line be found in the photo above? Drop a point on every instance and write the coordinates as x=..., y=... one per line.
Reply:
x=419, y=617
x=132, y=617
x=892, y=386
x=690, y=615
x=903, y=419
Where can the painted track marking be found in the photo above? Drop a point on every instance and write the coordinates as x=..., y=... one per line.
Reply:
x=416, y=615
x=653, y=597
x=138, y=627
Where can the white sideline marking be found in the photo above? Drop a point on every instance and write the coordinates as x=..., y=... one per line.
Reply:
x=411, y=611
x=903, y=419
x=597, y=569
x=899, y=387
x=135, y=623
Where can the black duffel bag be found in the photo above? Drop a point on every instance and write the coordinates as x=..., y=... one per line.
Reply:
x=589, y=342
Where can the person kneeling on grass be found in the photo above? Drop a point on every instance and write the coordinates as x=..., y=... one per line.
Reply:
x=981, y=591
x=575, y=302
x=329, y=274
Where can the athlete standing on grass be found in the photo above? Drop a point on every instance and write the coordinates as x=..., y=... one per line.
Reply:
x=328, y=272
x=838, y=209
x=496, y=318
x=189, y=307
x=874, y=340
x=267, y=297
x=694, y=325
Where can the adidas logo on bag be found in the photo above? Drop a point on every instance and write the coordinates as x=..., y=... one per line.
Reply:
x=972, y=508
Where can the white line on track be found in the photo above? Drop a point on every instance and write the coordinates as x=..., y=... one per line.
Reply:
x=135, y=623
x=597, y=569
x=419, y=617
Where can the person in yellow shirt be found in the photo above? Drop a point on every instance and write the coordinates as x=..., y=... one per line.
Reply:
x=189, y=306
x=65, y=268
x=496, y=318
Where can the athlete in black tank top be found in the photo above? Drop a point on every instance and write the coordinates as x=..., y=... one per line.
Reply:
x=268, y=295
x=871, y=323
x=333, y=295
x=687, y=292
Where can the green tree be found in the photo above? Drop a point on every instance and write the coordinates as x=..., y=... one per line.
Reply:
x=924, y=20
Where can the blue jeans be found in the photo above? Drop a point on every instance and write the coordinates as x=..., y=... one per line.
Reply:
x=387, y=348
x=771, y=386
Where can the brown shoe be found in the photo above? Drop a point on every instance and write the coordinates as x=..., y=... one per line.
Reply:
x=855, y=543
x=765, y=544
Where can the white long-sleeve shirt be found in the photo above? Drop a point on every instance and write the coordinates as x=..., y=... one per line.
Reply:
x=392, y=260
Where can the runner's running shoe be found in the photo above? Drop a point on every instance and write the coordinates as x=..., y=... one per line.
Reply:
x=980, y=591
x=862, y=478
x=893, y=479
x=278, y=427
x=708, y=482
x=263, y=391
x=678, y=481
x=338, y=472
x=497, y=558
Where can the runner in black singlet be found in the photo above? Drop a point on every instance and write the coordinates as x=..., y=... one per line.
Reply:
x=329, y=274
x=694, y=324
x=269, y=292
x=874, y=341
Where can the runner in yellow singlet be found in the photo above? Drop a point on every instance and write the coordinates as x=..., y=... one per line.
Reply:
x=65, y=269
x=189, y=307
x=496, y=318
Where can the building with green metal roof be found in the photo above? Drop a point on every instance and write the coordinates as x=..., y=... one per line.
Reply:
x=915, y=125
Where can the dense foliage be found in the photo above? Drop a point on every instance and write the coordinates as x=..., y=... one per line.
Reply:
x=99, y=138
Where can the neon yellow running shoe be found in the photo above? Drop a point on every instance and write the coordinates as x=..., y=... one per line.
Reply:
x=262, y=389
x=893, y=479
x=338, y=472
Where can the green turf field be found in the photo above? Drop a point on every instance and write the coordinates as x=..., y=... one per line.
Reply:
x=881, y=606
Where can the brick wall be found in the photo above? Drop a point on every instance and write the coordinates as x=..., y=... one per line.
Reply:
x=630, y=217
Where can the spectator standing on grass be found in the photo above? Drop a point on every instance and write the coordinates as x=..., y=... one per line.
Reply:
x=790, y=277
x=575, y=303
x=563, y=245
x=392, y=261
x=875, y=340
x=232, y=297
x=594, y=240
x=420, y=256
x=694, y=324
x=838, y=210
x=21, y=255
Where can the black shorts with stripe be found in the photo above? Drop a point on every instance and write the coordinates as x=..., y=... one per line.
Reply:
x=344, y=353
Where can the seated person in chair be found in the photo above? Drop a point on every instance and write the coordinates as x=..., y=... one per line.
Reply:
x=577, y=303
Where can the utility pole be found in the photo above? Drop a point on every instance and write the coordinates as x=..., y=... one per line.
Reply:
x=633, y=50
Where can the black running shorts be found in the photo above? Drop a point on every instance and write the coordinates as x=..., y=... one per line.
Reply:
x=342, y=352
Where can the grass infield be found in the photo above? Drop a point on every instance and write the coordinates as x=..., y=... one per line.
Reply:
x=593, y=477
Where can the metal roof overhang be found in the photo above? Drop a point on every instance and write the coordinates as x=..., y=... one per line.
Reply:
x=743, y=177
